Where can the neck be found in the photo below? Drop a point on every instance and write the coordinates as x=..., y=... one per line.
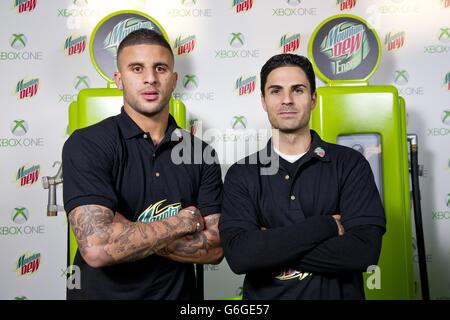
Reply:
x=155, y=125
x=292, y=143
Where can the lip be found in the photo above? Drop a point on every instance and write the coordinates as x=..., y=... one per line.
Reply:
x=150, y=95
x=287, y=114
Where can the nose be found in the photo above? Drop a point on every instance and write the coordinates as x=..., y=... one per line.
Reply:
x=287, y=98
x=149, y=76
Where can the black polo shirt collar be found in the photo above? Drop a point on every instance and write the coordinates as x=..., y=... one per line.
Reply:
x=318, y=150
x=130, y=129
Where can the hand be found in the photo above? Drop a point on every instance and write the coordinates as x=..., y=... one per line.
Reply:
x=193, y=215
x=337, y=218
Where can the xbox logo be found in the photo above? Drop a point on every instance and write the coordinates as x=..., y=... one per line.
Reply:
x=190, y=82
x=294, y=2
x=239, y=122
x=401, y=77
x=445, y=117
x=236, y=39
x=18, y=41
x=80, y=3
x=188, y=3
x=20, y=215
x=81, y=82
x=19, y=127
x=444, y=35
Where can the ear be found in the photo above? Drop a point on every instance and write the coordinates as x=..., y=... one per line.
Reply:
x=263, y=103
x=118, y=80
x=313, y=100
x=175, y=79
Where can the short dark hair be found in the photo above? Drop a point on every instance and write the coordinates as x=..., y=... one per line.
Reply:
x=144, y=36
x=288, y=59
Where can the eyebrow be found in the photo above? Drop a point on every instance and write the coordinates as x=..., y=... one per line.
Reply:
x=276, y=86
x=156, y=64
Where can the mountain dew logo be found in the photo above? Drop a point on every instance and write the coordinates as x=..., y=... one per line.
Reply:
x=155, y=213
x=190, y=82
x=28, y=264
x=401, y=77
x=346, y=4
x=25, y=5
x=346, y=46
x=292, y=274
x=81, y=82
x=448, y=200
x=121, y=30
x=184, y=45
x=27, y=176
x=239, y=122
x=20, y=215
x=290, y=44
x=246, y=85
x=445, y=117
x=27, y=89
x=447, y=80
x=19, y=127
x=18, y=41
x=236, y=39
x=75, y=46
x=242, y=5
x=395, y=41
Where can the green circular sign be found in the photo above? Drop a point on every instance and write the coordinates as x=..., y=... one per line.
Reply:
x=108, y=34
x=344, y=48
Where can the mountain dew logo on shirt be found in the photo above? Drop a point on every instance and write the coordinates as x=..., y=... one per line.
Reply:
x=242, y=5
x=292, y=274
x=290, y=44
x=346, y=46
x=184, y=45
x=154, y=212
x=447, y=80
x=25, y=5
x=121, y=30
x=27, y=89
x=75, y=46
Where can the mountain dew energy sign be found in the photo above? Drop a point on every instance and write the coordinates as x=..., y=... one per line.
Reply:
x=344, y=47
x=108, y=34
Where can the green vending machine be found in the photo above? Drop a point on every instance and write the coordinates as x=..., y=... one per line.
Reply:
x=345, y=52
x=94, y=105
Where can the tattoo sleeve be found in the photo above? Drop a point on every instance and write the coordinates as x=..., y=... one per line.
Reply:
x=103, y=242
x=201, y=247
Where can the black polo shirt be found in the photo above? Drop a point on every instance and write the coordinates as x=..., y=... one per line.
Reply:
x=300, y=255
x=115, y=164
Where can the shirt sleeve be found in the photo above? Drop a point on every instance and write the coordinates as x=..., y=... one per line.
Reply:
x=87, y=174
x=246, y=247
x=354, y=251
x=360, y=202
x=209, y=198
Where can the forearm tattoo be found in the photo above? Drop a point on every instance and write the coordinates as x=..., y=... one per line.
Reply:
x=121, y=242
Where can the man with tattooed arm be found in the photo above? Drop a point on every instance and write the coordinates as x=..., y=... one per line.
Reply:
x=140, y=217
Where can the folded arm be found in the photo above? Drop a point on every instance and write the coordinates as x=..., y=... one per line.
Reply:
x=103, y=240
